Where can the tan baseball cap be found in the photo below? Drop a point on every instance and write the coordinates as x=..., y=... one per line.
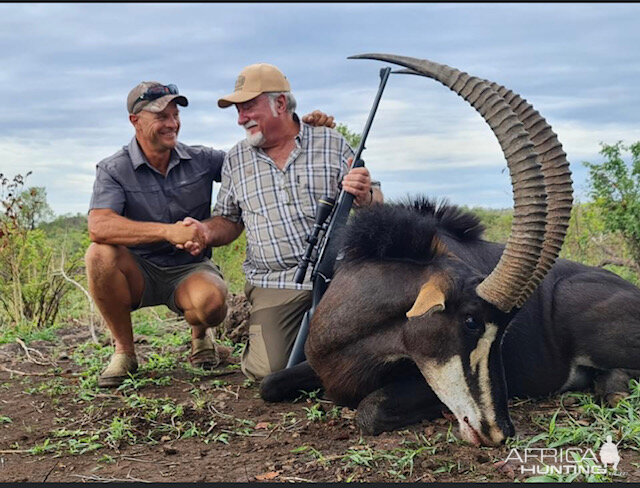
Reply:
x=255, y=80
x=137, y=101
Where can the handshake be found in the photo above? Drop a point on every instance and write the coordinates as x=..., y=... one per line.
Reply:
x=189, y=234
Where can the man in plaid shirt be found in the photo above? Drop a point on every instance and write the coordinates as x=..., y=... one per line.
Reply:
x=271, y=182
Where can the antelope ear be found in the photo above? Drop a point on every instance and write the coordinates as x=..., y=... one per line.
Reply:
x=430, y=299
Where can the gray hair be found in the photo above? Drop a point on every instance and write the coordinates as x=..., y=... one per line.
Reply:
x=290, y=101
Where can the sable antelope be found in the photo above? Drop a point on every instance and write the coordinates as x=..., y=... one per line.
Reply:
x=422, y=310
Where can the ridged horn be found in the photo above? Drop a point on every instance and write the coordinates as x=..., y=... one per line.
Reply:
x=558, y=184
x=557, y=178
x=519, y=260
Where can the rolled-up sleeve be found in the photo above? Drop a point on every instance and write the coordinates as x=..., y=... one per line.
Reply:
x=107, y=192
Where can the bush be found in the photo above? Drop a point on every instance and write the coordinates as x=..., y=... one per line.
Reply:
x=614, y=186
x=31, y=283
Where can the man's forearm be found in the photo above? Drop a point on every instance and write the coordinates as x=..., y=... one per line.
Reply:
x=107, y=227
x=221, y=231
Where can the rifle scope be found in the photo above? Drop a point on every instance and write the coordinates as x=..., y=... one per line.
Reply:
x=325, y=206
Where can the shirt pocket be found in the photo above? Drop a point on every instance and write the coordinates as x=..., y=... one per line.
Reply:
x=307, y=195
x=144, y=203
x=193, y=197
x=312, y=188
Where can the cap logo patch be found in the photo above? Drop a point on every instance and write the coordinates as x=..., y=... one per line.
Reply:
x=239, y=83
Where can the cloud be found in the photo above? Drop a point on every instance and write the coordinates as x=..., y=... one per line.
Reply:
x=68, y=67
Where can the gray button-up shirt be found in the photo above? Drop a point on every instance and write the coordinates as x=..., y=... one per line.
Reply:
x=130, y=186
x=277, y=206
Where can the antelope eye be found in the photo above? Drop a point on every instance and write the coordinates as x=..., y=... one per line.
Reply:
x=471, y=324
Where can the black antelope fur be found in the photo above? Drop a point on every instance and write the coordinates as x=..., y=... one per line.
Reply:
x=579, y=330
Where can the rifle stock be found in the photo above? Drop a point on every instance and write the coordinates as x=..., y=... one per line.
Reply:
x=329, y=247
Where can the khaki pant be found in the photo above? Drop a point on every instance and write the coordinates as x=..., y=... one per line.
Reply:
x=274, y=321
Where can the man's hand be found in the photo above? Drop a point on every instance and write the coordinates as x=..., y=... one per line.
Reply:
x=358, y=182
x=188, y=234
x=319, y=119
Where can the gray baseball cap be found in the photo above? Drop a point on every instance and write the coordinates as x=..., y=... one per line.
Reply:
x=148, y=95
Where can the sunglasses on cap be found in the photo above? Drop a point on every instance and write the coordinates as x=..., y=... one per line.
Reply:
x=156, y=92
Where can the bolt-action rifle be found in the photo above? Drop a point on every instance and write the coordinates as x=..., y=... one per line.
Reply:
x=323, y=258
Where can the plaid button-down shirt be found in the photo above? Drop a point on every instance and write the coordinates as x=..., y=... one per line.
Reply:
x=277, y=206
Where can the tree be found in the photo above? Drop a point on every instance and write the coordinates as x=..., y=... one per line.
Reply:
x=34, y=208
x=352, y=138
x=614, y=186
x=31, y=285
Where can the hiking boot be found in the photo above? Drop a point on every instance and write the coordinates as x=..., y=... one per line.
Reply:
x=120, y=366
x=207, y=355
x=204, y=354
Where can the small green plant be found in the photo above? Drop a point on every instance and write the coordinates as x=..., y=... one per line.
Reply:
x=159, y=362
x=315, y=413
x=221, y=437
x=335, y=412
x=134, y=382
x=51, y=387
x=107, y=459
x=311, y=451
x=46, y=446
x=120, y=431
x=447, y=467
x=83, y=444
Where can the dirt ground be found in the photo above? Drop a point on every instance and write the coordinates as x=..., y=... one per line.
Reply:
x=241, y=438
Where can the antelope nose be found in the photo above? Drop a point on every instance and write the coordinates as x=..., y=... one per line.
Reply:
x=502, y=429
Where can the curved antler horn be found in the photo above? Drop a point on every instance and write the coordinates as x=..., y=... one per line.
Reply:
x=520, y=259
x=557, y=178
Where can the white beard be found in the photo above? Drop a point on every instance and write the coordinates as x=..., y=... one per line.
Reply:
x=256, y=140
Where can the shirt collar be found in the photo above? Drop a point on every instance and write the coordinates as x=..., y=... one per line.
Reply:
x=303, y=127
x=138, y=158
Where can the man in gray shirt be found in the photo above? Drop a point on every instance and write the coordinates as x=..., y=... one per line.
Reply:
x=140, y=198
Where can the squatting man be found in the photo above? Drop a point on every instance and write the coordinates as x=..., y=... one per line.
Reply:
x=150, y=225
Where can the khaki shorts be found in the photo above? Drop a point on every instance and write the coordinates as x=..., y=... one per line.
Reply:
x=160, y=282
x=274, y=321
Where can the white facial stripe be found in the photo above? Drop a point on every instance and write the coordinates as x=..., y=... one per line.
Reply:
x=448, y=382
x=481, y=352
x=481, y=358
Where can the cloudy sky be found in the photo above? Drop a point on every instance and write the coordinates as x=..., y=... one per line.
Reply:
x=67, y=68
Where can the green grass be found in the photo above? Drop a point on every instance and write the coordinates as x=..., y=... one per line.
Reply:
x=229, y=258
x=586, y=424
x=397, y=463
x=27, y=332
x=135, y=417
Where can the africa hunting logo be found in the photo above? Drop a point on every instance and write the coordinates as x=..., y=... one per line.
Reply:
x=572, y=460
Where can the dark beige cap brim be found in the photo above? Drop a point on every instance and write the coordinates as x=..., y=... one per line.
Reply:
x=159, y=104
x=237, y=97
